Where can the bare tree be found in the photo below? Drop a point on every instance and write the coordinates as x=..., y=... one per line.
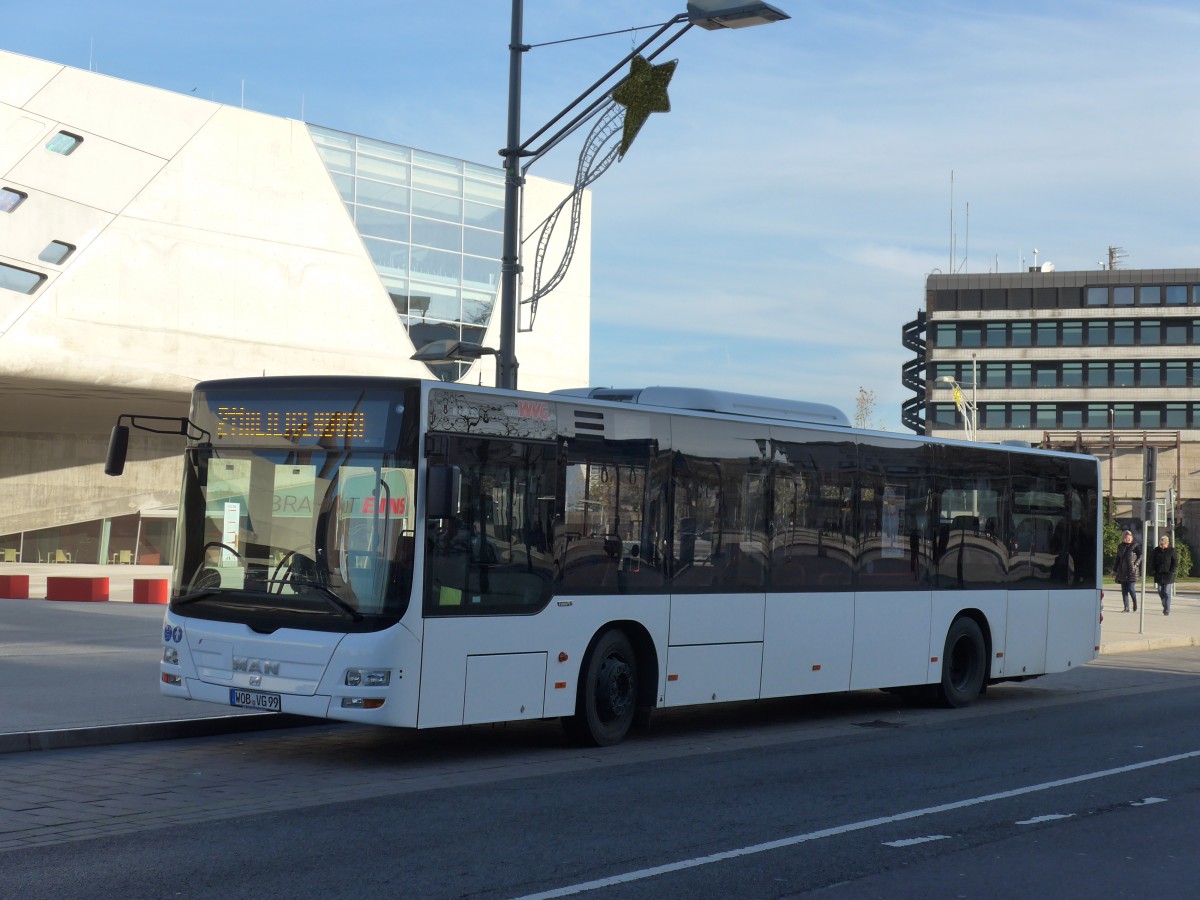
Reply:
x=864, y=409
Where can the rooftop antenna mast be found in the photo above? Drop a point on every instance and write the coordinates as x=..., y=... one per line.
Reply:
x=1116, y=255
x=950, y=269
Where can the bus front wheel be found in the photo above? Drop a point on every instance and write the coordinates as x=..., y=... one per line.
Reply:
x=964, y=664
x=607, y=695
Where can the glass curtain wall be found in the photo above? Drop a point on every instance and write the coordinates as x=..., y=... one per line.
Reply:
x=433, y=228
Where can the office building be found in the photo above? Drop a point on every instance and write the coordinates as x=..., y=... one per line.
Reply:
x=1100, y=361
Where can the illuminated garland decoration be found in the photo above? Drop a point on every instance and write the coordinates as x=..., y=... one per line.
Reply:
x=642, y=92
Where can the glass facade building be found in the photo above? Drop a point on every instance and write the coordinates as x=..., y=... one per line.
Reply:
x=432, y=226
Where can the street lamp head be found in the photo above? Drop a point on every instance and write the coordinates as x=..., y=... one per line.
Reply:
x=450, y=350
x=716, y=14
x=945, y=379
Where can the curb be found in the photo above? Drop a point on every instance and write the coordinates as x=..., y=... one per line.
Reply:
x=1142, y=644
x=101, y=735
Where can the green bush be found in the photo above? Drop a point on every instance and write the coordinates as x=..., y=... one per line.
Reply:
x=1185, y=558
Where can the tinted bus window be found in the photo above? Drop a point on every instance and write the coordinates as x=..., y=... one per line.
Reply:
x=812, y=520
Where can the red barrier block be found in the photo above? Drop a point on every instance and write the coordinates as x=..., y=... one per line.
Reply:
x=151, y=590
x=14, y=587
x=76, y=588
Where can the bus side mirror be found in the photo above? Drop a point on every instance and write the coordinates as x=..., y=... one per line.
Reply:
x=442, y=492
x=118, y=446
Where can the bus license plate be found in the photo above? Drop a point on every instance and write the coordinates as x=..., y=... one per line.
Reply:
x=254, y=700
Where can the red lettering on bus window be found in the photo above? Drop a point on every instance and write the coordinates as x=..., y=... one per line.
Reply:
x=533, y=409
x=398, y=506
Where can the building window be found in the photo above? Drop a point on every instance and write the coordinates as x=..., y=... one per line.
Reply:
x=941, y=370
x=1098, y=415
x=1123, y=296
x=1123, y=334
x=946, y=335
x=1176, y=333
x=1047, y=415
x=20, y=280
x=1123, y=415
x=1020, y=298
x=10, y=199
x=1097, y=296
x=1022, y=334
x=1177, y=295
x=56, y=252
x=1097, y=334
x=943, y=415
x=970, y=336
x=1150, y=295
x=1151, y=333
x=1177, y=373
x=1022, y=375
x=993, y=375
x=997, y=334
x=1072, y=417
x=1122, y=374
x=1150, y=374
x=1097, y=374
x=64, y=143
x=1046, y=375
x=1020, y=416
x=1072, y=374
x=1176, y=416
x=1072, y=334
x=1151, y=417
x=1047, y=334
x=993, y=415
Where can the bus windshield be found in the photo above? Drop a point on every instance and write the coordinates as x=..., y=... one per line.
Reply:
x=315, y=533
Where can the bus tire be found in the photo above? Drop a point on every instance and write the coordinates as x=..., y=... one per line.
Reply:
x=608, y=693
x=964, y=664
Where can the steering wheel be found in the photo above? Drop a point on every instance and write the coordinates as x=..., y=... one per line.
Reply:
x=207, y=576
x=294, y=566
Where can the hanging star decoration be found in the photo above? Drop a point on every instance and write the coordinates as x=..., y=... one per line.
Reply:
x=643, y=91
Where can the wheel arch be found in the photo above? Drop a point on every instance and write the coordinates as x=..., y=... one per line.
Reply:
x=981, y=619
x=645, y=652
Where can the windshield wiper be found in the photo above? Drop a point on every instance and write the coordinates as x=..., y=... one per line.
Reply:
x=327, y=593
x=195, y=596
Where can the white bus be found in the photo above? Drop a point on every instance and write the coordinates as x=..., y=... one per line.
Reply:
x=416, y=554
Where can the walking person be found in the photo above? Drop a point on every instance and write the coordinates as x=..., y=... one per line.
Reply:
x=1126, y=568
x=1163, y=563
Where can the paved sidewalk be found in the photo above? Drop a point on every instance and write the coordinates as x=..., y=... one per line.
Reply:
x=80, y=674
x=1148, y=628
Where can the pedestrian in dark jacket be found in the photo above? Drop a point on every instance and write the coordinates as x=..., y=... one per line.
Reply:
x=1163, y=563
x=1126, y=569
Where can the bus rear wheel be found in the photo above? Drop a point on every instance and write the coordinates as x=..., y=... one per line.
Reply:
x=964, y=664
x=608, y=692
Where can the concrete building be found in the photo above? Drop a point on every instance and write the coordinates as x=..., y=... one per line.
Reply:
x=1100, y=361
x=150, y=240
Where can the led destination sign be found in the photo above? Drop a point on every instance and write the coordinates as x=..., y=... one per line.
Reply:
x=288, y=420
x=294, y=425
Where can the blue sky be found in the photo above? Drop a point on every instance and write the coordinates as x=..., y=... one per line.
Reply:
x=773, y=232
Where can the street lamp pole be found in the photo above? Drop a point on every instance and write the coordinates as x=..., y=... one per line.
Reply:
x=510, y=254
x=710, y=15
x=968, y=408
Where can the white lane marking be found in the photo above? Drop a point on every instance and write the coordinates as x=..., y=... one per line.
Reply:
x=908, y=842
x=1037, y=820
x=1148, y=801
x=642, y=874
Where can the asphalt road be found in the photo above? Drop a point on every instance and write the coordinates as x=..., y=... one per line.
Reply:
x=1081, y=784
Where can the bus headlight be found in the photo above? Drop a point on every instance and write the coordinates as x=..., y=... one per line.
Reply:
x=368, y=677
x=170, y=656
